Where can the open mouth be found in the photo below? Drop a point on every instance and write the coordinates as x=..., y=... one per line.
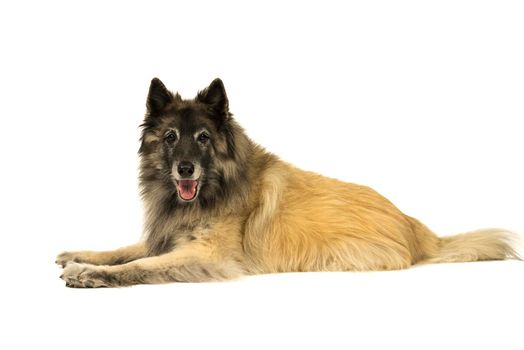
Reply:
x=187, y=189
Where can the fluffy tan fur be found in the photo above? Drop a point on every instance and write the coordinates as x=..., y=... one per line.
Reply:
x=257, y=214
x=293, y=221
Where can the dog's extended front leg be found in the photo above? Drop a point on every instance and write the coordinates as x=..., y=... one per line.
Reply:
x=170, y=267
x=113, y=257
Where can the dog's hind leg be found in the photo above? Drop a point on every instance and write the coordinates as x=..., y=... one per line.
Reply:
x=113, y=257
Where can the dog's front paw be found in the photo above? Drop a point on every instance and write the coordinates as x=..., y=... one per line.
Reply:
x=83, y=276
x=66, y=257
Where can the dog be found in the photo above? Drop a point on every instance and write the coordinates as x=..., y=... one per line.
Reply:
x=218, y=207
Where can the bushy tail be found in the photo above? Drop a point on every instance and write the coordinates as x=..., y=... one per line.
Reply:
x=488, y=244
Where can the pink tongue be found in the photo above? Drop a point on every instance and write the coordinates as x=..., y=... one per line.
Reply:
x=187, y=189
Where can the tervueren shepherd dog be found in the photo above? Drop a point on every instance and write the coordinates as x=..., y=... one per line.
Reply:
x=218, y=206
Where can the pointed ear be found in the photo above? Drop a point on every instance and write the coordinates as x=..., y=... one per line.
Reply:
x=159, y=97
x=215, y=97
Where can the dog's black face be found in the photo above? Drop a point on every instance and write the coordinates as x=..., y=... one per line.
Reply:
x=188, y=147
x=184, y=141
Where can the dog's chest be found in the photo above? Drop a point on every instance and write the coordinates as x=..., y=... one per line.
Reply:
x=191, y=232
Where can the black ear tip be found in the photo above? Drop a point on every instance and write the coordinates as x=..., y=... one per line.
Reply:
x=217, y=82
x=156, y=81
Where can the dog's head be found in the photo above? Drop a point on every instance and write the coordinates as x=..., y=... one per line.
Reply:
x=188, y=145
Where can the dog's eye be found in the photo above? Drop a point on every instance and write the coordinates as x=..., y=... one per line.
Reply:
x=203, y=137
x=170, y=137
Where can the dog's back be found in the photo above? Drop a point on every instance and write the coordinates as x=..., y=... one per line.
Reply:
x=315, y=223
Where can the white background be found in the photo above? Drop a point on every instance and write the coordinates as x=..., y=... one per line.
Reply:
x=421, y=100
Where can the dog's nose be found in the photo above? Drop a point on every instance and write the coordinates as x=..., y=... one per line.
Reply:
x=185, y=169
